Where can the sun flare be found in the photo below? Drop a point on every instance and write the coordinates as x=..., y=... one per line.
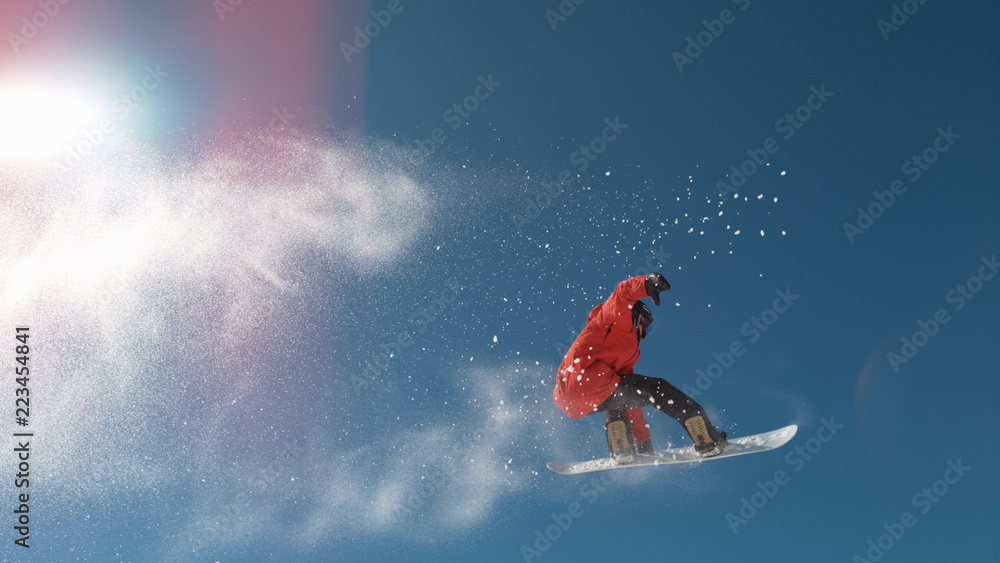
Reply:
x=37, y=122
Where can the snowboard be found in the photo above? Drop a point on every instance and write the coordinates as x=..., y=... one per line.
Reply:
x=737, y=446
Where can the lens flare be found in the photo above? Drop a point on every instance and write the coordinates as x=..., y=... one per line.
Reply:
x=36, y=122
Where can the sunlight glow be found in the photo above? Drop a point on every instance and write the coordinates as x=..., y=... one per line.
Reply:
x=38, y=122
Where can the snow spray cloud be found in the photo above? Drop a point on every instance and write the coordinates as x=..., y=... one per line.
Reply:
x=275, y=474
x=441, y=479
x=168, y=298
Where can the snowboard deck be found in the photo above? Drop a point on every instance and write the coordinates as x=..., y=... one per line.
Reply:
x=737, y=446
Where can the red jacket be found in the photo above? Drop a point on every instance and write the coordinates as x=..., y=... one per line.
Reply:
x=607, y=348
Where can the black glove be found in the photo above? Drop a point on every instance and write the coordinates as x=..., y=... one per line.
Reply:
x=655, y=283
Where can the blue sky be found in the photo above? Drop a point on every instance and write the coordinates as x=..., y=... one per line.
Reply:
x=216, y=290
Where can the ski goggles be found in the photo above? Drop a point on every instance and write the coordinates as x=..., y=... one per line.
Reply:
x=644, y=321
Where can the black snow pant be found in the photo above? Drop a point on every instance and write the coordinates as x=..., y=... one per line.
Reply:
x=638, y=391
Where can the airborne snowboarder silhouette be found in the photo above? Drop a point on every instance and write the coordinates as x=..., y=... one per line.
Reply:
x=596, y=376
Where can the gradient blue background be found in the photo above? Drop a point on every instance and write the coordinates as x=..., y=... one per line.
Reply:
x=825, y=358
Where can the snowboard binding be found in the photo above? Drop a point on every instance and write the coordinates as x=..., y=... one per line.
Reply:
x=708, y=440
x=620, y=445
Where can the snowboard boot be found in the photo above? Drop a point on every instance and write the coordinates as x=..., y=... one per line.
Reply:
x=620, y=442
x=708, y=440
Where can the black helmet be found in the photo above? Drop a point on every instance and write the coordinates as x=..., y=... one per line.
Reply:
x=641, y=315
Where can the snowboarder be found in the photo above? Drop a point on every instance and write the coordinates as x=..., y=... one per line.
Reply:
x=596, y=376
